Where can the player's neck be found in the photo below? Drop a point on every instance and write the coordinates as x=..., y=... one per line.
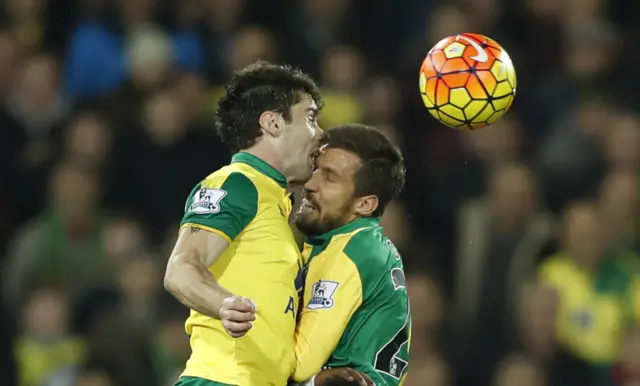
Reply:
x=266, y=154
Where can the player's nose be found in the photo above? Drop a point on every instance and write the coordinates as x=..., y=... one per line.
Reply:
x=319, y=136
x=309, y=187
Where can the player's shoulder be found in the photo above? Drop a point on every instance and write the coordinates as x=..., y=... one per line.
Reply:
x=369, y=249
x=556, y=261
x=224, y=187
x=557, y=267
x=230, y=175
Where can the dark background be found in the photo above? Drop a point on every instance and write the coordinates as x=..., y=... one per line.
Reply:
x=105, y=126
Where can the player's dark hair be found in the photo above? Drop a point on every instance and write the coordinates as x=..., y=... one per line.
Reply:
x=382, y=173
x=253, y=90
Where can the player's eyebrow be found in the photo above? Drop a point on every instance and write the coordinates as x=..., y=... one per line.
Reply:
x=312, y=110
x=331, y=171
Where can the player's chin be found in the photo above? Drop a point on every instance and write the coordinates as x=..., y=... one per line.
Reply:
x=306, y=219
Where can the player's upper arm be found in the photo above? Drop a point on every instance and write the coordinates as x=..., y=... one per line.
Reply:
x=225, y=209
x=193, y=243
x=333, y=293
x=215, y=214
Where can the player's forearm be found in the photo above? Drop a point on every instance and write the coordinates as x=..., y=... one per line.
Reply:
x=194, y=286
x=308, y=362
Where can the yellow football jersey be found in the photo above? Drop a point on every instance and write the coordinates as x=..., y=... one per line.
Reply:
x=595, y=309
x=356, y=307
x=246, y=203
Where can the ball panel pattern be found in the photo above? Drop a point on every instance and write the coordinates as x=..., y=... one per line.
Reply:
x=488, y=80
x=459, y=97
x=467, y=81
x=454, y=50
x=438, y=60
x=442, y=93
x=454, y=65
x=456, y=79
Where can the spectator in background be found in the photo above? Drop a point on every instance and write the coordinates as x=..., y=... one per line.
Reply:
x=100, y=59
x=170, y=347
x=382, y=104
x=88, y=141
x=36, y=110
x=62, y=246
x=501, y=238
x=190, y=91
x=434, y=372
x=119, y=346
x=45, y=345
x=140, y=291
x=342, y=75
x=149, y=60
x=123, y=238
x=395, y=226
x=186, y=42
x=571, y=162
x=246, y=46
x=464, y=177
x=537, y=314
x=223, y=18
x=622, y=143
x=597, y=288
x=9, y=55
x=318, y=25
x=92, y=375
x=628, y=371
x=164, y=147
x=620, y=205
x=32, y=118
x=26, y=24
x=428, y=313
x=519, y=371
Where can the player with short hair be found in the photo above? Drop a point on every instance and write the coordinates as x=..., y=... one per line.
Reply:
x=235, y=236
x=356, y=309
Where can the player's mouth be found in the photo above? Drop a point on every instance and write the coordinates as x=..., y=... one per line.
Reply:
x=308, y=205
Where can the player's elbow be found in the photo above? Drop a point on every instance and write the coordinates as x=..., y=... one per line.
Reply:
x=172, y=276
x=169, y=282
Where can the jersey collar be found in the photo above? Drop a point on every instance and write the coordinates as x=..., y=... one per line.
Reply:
x=360, y=222
x=260, y=166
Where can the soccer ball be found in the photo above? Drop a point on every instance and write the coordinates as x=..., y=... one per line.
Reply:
x=467, y=81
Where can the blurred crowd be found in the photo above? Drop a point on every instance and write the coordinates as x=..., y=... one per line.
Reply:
x=520, y=241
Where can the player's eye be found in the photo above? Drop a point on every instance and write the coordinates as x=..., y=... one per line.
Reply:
x=329, y=177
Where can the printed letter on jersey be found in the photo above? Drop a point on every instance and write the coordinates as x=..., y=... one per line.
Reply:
x=322, y=295
x=207, y=201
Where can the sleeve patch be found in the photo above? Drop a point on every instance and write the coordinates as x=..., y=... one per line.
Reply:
x=398, y=278
x=322, y=295
x=206, y=201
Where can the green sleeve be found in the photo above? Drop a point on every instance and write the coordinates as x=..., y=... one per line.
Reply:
x=228, y=208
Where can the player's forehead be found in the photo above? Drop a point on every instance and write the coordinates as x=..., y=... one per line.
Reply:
x=338, y=161
x=305, y=104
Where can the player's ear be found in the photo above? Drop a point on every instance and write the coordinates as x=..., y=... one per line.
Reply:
x=270, y=123
x=366, y=205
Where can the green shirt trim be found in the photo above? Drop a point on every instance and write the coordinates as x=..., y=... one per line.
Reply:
x=361, y=222
x=236, y=206
x=260, y=166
